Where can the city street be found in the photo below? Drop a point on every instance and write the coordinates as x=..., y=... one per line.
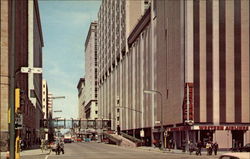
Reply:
x=104, y=151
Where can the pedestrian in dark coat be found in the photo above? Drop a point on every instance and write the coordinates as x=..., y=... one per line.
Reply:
x=199, y=146
x=215, y=148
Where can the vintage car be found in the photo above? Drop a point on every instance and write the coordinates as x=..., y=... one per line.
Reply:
x=235, y=155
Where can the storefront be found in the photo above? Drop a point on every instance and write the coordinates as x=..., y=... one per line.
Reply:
x=227, y=136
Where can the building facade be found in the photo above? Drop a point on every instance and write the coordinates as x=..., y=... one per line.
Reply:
x=196, y=54
x=50, y=105
x=4, y=73
x=81, y=98
x=90, y=90
x=116, y=20
x=45, y=99
x=28, y=42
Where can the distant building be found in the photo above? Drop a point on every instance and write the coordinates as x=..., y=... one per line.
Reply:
x=50, y=105
x=81, y=98
x=45, y=99
x=90, y=90
x=28, y=53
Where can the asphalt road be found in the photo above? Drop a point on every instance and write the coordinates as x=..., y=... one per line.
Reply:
x=103, y=151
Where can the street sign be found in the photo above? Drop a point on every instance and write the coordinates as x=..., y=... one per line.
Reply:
x=31, y=70
x=19, y=121
x=142, y=133
x=157, y=122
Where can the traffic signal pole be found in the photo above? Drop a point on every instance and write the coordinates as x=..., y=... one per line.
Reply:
x=12, y=83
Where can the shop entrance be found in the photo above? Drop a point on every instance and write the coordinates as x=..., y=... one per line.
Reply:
x=237, y=138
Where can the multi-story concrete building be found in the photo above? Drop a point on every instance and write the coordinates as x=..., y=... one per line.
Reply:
x=90, y=90
x=81, y=98
x=45, y=99
x=116, y=20
x=4, y=73
x=50, y=105
x=27, y=43
x=196, y=54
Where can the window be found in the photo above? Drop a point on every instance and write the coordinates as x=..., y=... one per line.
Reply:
x=96, y=112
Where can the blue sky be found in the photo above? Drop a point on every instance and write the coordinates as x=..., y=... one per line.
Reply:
x=65, y=26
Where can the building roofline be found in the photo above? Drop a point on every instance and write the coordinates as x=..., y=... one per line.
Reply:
x=80, y=81
x=39, y=21
x=142, y=23
x=89, y=32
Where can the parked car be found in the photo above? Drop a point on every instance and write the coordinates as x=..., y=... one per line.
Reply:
x=245, y=148
x=67, y=140
x=79, y=139
x=235, y=155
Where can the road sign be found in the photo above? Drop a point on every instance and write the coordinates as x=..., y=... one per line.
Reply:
x=31, y=70
x=157, y=122
x=142, y=133
x=19, y=121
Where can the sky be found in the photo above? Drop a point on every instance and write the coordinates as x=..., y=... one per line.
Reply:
x=65, y=26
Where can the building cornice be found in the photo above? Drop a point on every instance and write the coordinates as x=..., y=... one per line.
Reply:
x=143, y=22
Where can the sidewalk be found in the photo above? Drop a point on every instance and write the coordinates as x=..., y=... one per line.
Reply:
x=28, y=153
x=175, y=151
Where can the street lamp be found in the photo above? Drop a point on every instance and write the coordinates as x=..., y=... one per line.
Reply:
x=161, y=131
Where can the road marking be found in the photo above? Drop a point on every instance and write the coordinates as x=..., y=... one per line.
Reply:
x=47, y=156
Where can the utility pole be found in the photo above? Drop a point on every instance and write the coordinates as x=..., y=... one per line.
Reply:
x=12, y=84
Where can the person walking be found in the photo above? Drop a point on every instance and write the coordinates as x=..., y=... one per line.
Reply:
x=62, y=146
x=42, y=146
x=199, y=146
x=215, y=148
x=191, y=147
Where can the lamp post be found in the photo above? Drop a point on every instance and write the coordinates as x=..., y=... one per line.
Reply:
x=161, y=130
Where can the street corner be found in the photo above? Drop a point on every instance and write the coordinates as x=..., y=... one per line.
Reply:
x=34, y=152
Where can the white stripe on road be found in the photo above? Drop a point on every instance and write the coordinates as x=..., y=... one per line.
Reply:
x=47, y=156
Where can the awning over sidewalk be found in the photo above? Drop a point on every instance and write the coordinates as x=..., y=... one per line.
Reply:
x=209, y=127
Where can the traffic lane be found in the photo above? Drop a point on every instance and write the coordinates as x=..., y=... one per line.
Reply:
x=100, y=151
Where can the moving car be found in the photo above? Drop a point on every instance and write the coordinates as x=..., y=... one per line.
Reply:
x=67, y=140
x=235, y=155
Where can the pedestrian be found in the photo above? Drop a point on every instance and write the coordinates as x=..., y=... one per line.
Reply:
x=209, y=148
x=62, y=146
x=191, y=147
x=215, y=148
x=58, y=148
x=199, y=146
x=21, y=145
x=42, y=145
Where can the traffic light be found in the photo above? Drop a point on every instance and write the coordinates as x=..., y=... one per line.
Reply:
x=17, y=100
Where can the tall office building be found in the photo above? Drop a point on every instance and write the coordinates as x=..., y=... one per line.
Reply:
x=90, y=90
x=50, y=105
x=27, y=43
x=81, y=98
x=45, y=99
x=195, y=54
x=116, y=20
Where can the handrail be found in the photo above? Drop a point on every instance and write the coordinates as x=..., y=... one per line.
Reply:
x=131, y=138
x=112, y=138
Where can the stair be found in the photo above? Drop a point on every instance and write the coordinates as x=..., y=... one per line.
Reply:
x=120, y=140
x=124, y=142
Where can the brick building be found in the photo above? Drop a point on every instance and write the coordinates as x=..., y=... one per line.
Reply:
x=28, y=53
